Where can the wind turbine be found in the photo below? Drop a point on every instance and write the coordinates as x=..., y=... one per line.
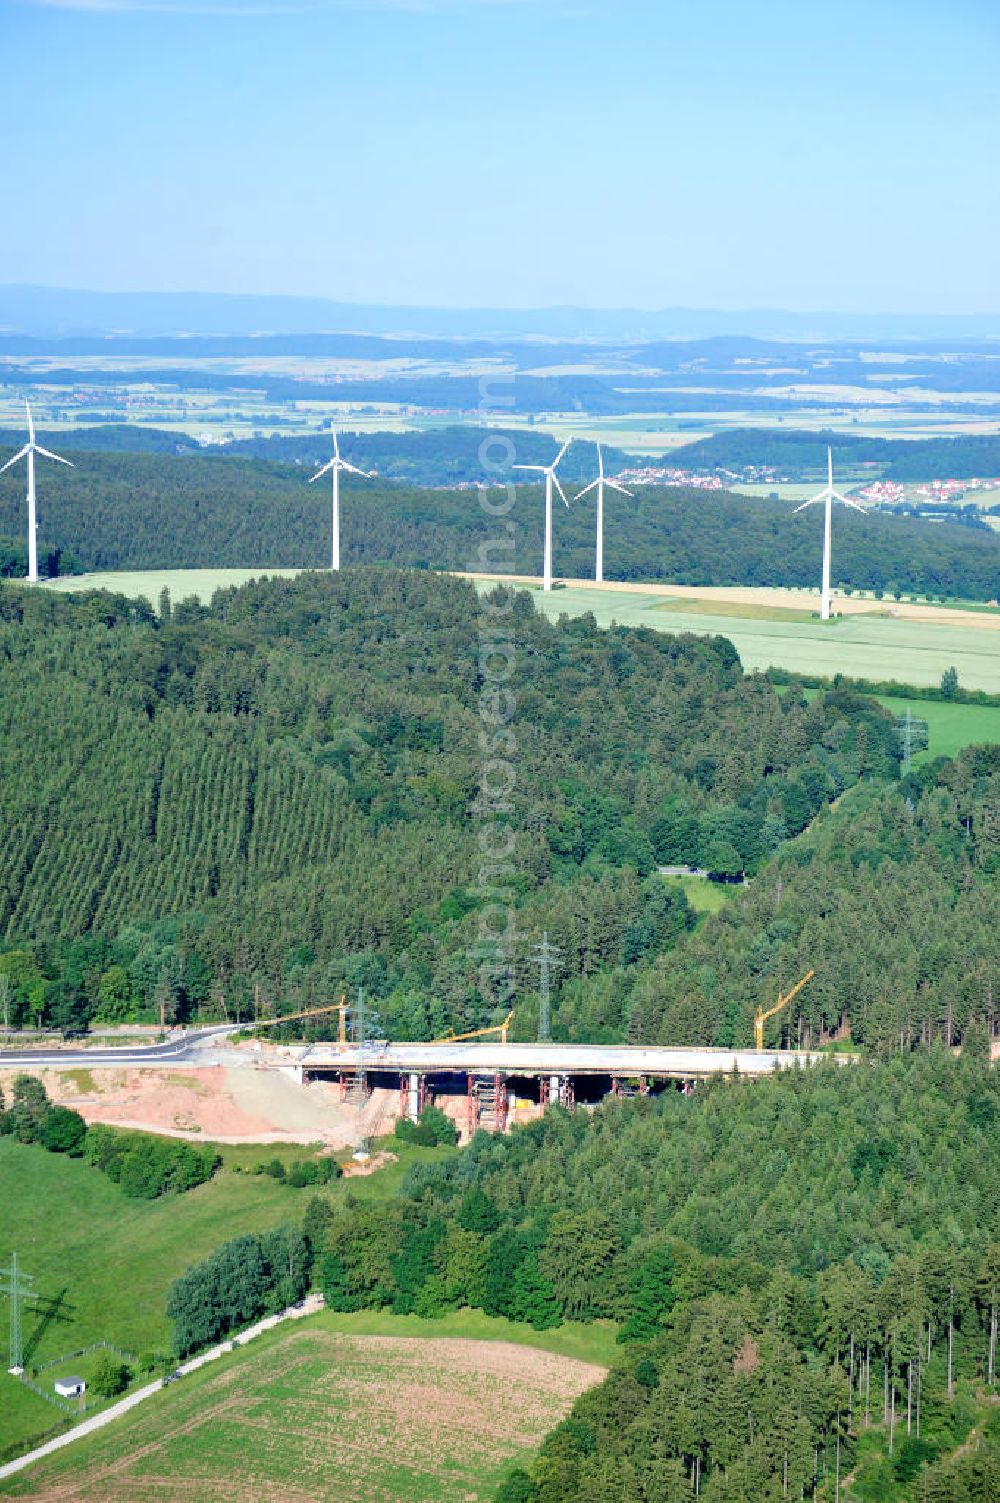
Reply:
x=336, y=464
x=31, y=449
x=551, y=478
x=828, y=495
x=601, y=482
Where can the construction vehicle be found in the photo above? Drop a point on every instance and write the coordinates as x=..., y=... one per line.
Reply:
x=760, y=1017
x=478, y=1033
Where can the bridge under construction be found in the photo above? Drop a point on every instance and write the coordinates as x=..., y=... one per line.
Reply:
x=498, y=1078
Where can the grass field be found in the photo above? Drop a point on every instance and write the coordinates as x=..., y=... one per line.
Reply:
x=105, y=1262
x=181, y=583
x=703, y=897
x=737, y=610
x=309, y=1412
x=949, y=726
x=863, y=646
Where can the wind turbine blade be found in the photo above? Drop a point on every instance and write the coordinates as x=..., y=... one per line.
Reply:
x=31, y=426
x=580, y=494
x=19, y=455
x=365, y=474
x=336, y=445
x=811, y=502
x=320, y=473
x=613, y=485
x=49, y=455
x=562, y=451
x=829, y=467
x=847, y=501
x=539, y=468
x=600, y=463
x=559, y=488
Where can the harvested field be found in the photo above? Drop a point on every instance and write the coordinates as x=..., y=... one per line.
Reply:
x=311, y=1414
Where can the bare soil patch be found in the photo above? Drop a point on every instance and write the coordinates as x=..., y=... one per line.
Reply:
x=225, y=1104
x=318, y=1415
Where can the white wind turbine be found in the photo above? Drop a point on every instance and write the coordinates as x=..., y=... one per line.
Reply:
x=336, y=464
x=601, y=481
x=31, y=449
x=828, y=495
x=551, y=478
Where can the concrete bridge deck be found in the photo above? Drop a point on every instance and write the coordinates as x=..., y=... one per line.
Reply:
x=616, y=1060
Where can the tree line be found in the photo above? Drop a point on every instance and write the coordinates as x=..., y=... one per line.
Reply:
x=801, y=454
x=108, y=513
x=143, y=1165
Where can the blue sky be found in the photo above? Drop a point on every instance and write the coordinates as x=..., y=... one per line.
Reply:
x=712, y=153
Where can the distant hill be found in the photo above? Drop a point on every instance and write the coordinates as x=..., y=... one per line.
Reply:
x=801, y=454
x=29, y=309
x=432, y=457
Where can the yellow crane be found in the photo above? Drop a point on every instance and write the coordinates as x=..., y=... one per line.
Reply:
x=760, y=1017
x=313, y=1012
x=478, y=1033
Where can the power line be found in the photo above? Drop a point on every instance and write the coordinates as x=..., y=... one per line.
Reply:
x=546, y=957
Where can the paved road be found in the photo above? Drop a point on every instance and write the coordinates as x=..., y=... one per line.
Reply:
x=309, y=1306
x=179, y=1047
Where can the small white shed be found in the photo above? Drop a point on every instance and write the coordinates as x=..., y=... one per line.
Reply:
x=70, y=1388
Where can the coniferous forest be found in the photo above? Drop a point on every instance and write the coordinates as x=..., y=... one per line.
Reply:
x=798, y=1270
x=108, y=513
x=279, y=792
x=258, y=802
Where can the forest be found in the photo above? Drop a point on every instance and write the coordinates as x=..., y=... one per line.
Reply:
x=279, y=794
x=804, y=1274
x=245, y=807
x=108, y=513
x=801, y=454
x=443, y=456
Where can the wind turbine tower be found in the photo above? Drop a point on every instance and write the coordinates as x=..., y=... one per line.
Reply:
x=30, y=450
x=828, y=495
x=600, y=483
x=335, y=465
x=551, y=478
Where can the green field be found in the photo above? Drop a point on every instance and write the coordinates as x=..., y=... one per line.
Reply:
x=872, y=647
x=308, y=1411
x=181, y=583
x=703, y=896
x=105, y=1262
x=737, y=610
x=949, y=726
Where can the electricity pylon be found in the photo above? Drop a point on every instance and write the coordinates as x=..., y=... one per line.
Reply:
x=17, y=1287
x=546, y=955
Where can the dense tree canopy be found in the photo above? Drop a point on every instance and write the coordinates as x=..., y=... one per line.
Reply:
x=792, y=1263
x=108, y=513
x=281, y=795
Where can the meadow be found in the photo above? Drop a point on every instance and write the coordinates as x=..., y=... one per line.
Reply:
x=862, y=646
x=102, y=1263
x=950, y=727
x=328, y=1415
